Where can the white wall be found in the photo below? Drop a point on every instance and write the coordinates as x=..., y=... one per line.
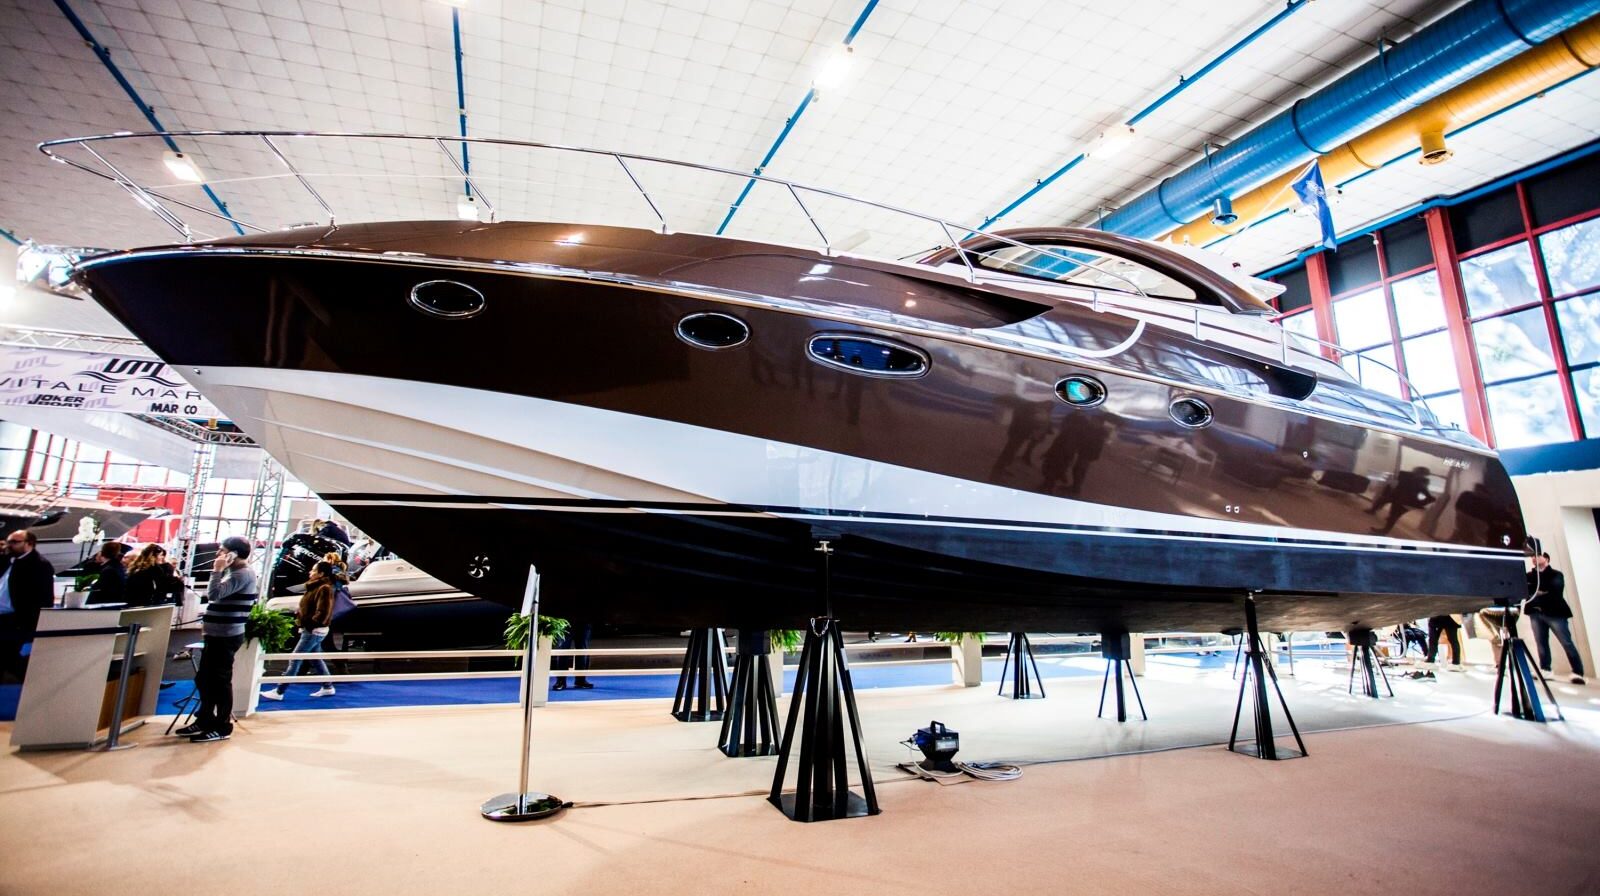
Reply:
x=1558, y=510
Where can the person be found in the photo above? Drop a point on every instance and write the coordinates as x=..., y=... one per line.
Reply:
x=230, y=593
x=1547, y=610
x=27, y=585
x=152, y=581
x=1447, y=627
x=1409, y=491
x=576, y=638
x=110, y=584
x=335, y=532
x=314, y=615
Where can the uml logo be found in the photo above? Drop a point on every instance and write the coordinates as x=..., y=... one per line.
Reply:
x=133, y=367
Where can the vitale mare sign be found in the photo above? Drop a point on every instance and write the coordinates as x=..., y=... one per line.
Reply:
x=93, y=381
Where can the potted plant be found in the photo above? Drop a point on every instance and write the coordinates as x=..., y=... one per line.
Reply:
x=966, y=648
x=266, y=631
x=551, y=630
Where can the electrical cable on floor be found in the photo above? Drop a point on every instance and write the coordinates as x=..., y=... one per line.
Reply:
x=982, y=771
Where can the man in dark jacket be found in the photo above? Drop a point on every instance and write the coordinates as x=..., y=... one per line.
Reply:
x=334, y=531
x=1548, y=611
x=27, y=585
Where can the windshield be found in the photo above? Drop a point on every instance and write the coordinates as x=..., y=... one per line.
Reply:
x=1084, y=267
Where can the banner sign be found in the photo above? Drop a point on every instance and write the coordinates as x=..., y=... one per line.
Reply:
x=95, y=381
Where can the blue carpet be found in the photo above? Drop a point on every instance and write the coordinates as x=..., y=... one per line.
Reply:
x=369, y=694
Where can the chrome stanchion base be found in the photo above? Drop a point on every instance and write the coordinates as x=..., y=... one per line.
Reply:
x=530, y=806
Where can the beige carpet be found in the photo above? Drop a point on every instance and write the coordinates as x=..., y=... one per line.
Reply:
x=385, y=802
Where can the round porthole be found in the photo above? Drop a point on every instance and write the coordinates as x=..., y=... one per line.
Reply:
x=867, y=355
x=711, y=330
x=447, y=299
x=1081, y=391
x=1190, y=412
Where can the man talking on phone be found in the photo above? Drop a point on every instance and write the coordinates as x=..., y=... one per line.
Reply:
x=230, y=594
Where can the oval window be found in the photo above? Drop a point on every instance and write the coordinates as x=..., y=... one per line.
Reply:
x=1190, y=412
x=866, y=355
x=711, y=330
x=1081, y=391
x=447, y=299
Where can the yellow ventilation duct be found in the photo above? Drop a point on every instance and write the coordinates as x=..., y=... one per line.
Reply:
x=1564, y=56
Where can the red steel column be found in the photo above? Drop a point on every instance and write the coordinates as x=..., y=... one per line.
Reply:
x=1454, y=293
x=1321, y=298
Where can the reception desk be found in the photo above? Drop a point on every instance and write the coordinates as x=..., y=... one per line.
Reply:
x=71, y=681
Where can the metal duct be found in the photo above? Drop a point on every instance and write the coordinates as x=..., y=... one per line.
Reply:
x=1545, y=66
x=1471, y=40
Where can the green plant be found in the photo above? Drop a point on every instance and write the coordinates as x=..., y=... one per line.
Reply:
x=273, y=628
x=787, y=640
x=957, y=637
x=552, y=627
x=82, y=583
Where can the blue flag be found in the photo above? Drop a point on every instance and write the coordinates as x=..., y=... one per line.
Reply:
x=1314, y=196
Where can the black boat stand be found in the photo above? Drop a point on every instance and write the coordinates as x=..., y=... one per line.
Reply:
x=1257, y=669
x=703, y=681
x=1363, y=643
x=1019, y=660
x=1517, y=668
x=1117, y=648
x=823, y=689
x=750, y=725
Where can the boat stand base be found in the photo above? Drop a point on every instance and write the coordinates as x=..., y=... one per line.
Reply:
x=530, y=806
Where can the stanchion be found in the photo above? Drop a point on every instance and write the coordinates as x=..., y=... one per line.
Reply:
x=525, y=804
x=114, y=736
x=703, y=680
x=1257, y=669
x=1517, y=668
x=750, y=726
x=1363, y=643
x=1019, y=661
x=1117, y=648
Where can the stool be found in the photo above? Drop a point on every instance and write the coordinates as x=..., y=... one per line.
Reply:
x=190, y=701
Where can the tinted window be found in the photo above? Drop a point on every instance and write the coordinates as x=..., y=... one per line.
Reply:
x=1297, y=289
x=866, y=355
x=1405, y=246
x=1565, y=192
x=1083, y=267
x=712, y=330
x=1486, y=220
x=1354, y=265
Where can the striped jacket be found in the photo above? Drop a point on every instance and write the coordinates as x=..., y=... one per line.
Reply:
x=229, y=596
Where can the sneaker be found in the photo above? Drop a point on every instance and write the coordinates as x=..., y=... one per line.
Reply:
x=586, y=685
x=188, y=731
x=1458, y=667
x=560, y=685
x=271, y=694
x=209, y=737
x=324, y=691
x=1577, y=679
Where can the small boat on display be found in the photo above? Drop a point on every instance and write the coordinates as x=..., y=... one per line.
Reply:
x=55, y=518
x=1043, y=429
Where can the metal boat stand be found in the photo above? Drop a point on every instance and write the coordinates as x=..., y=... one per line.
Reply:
x=1117, y=648
x=703, y=681
x=750, y=725
x=1257, y=669
x=525, y=804
x=822, y=688
x=1517, y=668
x=1024, y=670
x=1363, y=644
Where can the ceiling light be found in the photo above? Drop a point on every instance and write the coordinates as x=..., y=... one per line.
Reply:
x=1222, y=213
x=467, y=208
x=182, y=167
x=1111, y=142
x=1433, y=149
x=834, y=69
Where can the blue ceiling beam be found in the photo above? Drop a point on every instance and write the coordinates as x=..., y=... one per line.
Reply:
x=461, y=98
x=1184, y=83
x=149, y=113
x=788, y=126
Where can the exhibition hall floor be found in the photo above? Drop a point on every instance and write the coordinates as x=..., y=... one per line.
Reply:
x=1433, y=795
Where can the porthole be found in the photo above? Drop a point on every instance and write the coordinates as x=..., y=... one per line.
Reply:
x=1081, y=391
x=711, y=330
x=447, y=299
x=1190, y=412
x=867, y=355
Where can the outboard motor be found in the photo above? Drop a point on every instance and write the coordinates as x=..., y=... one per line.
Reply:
x=300, y=553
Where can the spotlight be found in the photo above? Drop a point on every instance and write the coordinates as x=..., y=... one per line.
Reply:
x=1111, y=142
x=467, y=208
x=1433, y=149
x=834, y=69
x=182, y=167
x=1222, y=213
x=938, y=744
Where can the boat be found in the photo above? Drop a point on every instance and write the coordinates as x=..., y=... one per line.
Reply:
x=1040, y=429
x=55, y=517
